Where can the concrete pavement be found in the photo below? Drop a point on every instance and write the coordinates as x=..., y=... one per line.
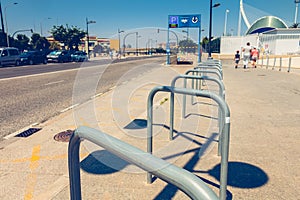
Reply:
x=264, y=148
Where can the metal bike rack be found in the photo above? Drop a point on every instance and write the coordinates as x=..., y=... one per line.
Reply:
x=212, y=63
x=205, y=67
x=224, y=135
x=204, y=71
x=185, y=77
x=190, y=184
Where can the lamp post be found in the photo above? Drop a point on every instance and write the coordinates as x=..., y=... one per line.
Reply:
x=87, y=35
x=41, y=24
x=7, y=38
x=177, y=41
x=296, y=11
x=225, y=24
x=119, y=35
x=187, y=39
x=200, y=46
x=124, y=45
x=2, y=24
x=137, y=42
x=22, y=31
x=210, y=25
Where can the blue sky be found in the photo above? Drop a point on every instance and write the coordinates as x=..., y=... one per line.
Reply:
x=129, y=15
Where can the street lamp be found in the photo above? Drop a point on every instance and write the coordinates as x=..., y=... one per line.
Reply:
x=296, y=11
x=22, y=31
x=119, y=32
x=87, y=35
x=41, y=24
x=187, y=39
x=173, y=33
x=7, y=38
x=225, y=24
x=210, y=25
x=2, y=24
x=124, y=45
x=136, y=43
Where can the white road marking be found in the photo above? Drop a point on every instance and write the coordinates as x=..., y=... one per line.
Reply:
x=69, y=108
x=51, y=83
x=47, y=73
x=97, y=95
x=112, y=88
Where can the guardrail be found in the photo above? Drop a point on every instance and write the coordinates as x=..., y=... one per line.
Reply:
x=224, y=137
x=272, y=61
x=187, y=182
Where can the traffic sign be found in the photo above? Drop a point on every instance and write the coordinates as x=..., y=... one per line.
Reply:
x=184, y=21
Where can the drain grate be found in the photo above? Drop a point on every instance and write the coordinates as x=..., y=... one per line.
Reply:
x=63, y=136
x=28, y=132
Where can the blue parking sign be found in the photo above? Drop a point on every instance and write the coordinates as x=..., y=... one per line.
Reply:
x=184, y=21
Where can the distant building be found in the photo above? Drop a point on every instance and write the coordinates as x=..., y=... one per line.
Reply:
x=280, y=41
x=101, y=45
x=269, y=34
x=265, y=24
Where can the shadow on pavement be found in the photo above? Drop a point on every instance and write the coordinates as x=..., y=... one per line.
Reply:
x=102, y=162
x=241, y=175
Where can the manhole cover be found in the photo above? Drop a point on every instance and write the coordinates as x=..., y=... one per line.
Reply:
x=63, y=136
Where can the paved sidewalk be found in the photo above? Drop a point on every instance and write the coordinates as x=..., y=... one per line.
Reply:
x=264, y=148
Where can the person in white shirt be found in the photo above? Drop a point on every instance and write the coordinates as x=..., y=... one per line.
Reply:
x=246, y=55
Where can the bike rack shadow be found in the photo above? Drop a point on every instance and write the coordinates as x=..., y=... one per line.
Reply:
x=137, y=124
x=241, y=175
x=97, y=163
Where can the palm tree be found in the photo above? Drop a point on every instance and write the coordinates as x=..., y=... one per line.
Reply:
x=295, y=25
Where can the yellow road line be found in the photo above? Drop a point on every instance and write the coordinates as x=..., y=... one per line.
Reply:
x=55, y=157
x=32, y=177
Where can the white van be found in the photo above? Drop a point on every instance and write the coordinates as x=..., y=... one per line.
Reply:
x=9, y=56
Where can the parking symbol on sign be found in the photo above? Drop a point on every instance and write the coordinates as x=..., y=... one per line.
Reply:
x=173, y=20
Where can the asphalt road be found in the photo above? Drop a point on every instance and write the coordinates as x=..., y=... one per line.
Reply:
x=33, y=94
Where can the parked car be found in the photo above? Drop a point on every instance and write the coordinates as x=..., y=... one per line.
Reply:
x=33, y=57
x=59, y=56
x=9, y=56
x=79, y=56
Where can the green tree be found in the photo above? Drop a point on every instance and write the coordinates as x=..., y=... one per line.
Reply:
x=205, y=43
x=188, y=45
x=294, y=25
x=39, y=43
x=22, y=42
x=69, y=36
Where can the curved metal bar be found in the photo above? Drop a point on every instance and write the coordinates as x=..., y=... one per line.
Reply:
x=190, y=184
x=185, y=77
x=204, y=71
x=225, y=131
x=210, y=64
x=205, y=67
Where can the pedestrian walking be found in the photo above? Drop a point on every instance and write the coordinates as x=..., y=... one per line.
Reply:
x=237, y=58
x=246, y=55
x=254, y=56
